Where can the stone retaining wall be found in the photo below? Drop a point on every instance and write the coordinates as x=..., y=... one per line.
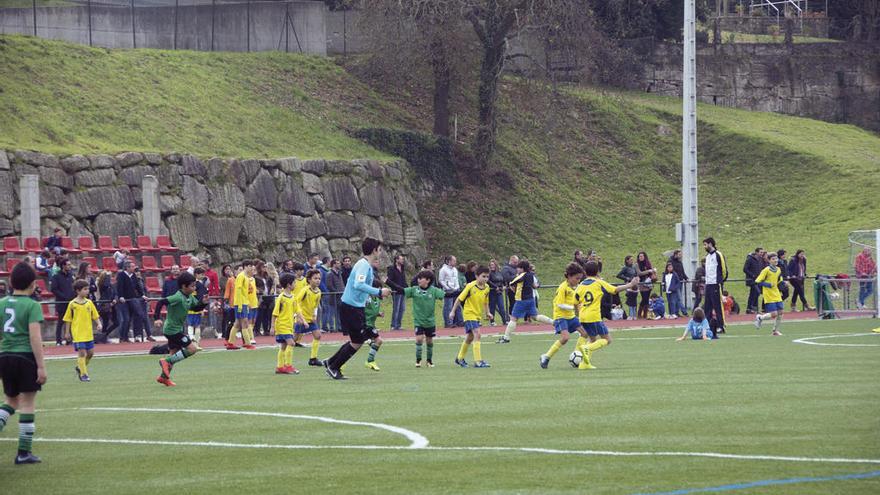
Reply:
x=233, y=209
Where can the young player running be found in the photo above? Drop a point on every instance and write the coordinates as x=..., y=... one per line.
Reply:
x=523, y=285
x=590, y=293
x=475, y=299
x=308, y=299
x=22, y=368
x=373, y=310
x=351, y=307
x=565, y=306
x=180, y=345
x=425, y=296
x=285, y=309
x=78, y=318
x=769, y=281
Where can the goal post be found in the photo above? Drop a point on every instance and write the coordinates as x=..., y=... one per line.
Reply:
x=852, y=293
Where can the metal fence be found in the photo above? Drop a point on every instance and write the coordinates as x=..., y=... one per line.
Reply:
x=205, y=25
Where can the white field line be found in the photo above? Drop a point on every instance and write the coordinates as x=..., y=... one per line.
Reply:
x=809, y=340
x=528, y=450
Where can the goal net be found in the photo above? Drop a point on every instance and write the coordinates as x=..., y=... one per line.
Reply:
x=853, y=293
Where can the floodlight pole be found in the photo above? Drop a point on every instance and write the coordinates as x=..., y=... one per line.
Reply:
x=689, y=233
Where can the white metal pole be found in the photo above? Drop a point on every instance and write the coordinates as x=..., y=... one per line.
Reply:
x=689, y=224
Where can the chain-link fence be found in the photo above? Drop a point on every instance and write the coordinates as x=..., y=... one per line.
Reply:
x=206, y=25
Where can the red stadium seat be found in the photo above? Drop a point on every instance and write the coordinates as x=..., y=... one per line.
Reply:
x=32, y=245
x=124, y=242
x=92, y=261
x=46, y=314
x=163, y=242
x=145, y=244
x=108, y=263
x=67, y=244
x=185, y=261
x=10, y=263
x=44, y=291
x=167, y=262
x=11, y=246
x=105, y=244
x=87, y=245
x=149, y=265
x=153, y=285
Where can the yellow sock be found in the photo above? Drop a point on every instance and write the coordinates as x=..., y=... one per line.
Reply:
x=478, y=356
x=282, y=354
x=83, y=365
x=598, y=344
x=288, y=356
x=250, y=335
x=554, y=348
x=315, y=344
x=463, y=351
x=231, y=338
x=581, y=343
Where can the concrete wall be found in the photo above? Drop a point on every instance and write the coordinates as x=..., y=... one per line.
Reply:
x=233, y=209
x=111, y=26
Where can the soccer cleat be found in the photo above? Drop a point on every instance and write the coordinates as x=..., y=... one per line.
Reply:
x=291, y=370
x=776, y=333
x=372, y=366
x=166, y=367
x=418, y=364
x=28, y=458
x=332, y=373
x=461, y=362
x=253, y=342
x=430, y=364
x=297, y=344
x=544, y=361
x=876, y=330
x=315, y=362
x=84, y=378
x=588, y=367
x=481, y=364
x=250, y=347
x=502, y=340
x=231, y=347
x=758, y=322
x=585, y=362
x=165, y=381
x=281, y=371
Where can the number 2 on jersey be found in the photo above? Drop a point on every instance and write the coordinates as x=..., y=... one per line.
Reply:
x=7, y=325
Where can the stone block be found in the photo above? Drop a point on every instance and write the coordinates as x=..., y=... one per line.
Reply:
x=378, y=200
x=194, y=196
x=218, y=231
x=172, y=158
x=7, y=227
x=193, y=166
x=55, y=177
x=226, y=199
x=51, y=196
x=290, y=165
x=370, y=227
x=340, y=194
x=262, y=195
x=129, y=158
x=290, y=228
x=319, y=203
x=341, y=225
x=294, y=199
x=182, y=229
x=170, y=203
x=92, y=178
x=339, y=167
x=392, y=227
x=251, y=168
x=75, y=163
x=319, y=245
x=316, y=167
x=257, y=228
x=217, y=168
x=115, y=224
x=134, y=176
x=8, y=206
x=37, y=159
x=339, y=247
x=101, y=161
x=315, y=227
x=153, y=158
x=92, y=201
x=312, y=183
x=169, y=177
x=4, y=160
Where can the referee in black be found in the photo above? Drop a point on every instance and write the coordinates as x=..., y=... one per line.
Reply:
x=716, y=274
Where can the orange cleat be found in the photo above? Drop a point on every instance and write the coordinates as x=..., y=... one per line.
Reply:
x=250, y=347
x=165, y=381
x=281, y=371
x=231, y=347
x=292, y=371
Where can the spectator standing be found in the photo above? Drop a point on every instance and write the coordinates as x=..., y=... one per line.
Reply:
x=647, y=277
x=62, y=288
x=716, y=274
x=678, y=268
x=508, y=272
x=426, y=265
x=212, y=283
x=228, y=305
x=346, y=269
x=580, y=259
x=169, y=288
x=119, y=257
x=128, y=307
x=782, y=264
x=107, y=303
x=470, y=272
x=672, y=288
x=262, y=321
x=397, y=283
x=335, y=288
x=698, y=286
x=797, y=272
x=84, y=272
x=145, y=308
x=865, y=268
x=53, y=242
x=286, y=267
x=326, y=315
x=450, y=284
x=496, y=294
x=627, y=273
x=752, y=268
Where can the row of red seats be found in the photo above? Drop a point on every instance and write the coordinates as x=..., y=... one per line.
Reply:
x=85, y=244
x=148, y=263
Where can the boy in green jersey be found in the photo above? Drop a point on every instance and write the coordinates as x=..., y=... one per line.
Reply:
x=180, y=345
x=22, y=368
x=425, y=296
x=372, y=311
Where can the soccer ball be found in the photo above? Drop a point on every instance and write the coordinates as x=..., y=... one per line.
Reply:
x=575, y=359
x=834, y=295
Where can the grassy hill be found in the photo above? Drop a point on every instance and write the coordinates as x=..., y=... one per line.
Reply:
x=598, y=169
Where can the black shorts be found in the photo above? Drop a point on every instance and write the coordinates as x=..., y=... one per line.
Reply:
x=354, y=324
x=178, y=341
x=426, y=331
x=18, y=370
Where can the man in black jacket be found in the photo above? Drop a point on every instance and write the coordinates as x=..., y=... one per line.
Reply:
x=62, y=287
x=508, y=273
x=397, y=282
x=752, y=268
x=130, y=307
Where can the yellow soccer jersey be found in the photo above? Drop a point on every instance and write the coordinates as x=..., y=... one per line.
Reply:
x=473, y=300
x=241, y=290
x=252, y=293
x=564, y=295
x=285, y=307
x=307, y=301
x=771, y=275
x=589, y=294
x=80, y=317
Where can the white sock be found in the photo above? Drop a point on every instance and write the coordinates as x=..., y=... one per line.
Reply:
x=777, y=322
x=511, y=326
x=764, y=316
x=544, y=319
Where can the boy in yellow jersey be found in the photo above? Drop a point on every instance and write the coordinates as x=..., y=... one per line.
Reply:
x=590, y=293
x=299, y=283
x=769, y=281
x=78, y=318
x=525, y=305
x=253, y=308
x=242, y=306
x=308, y=300
x=565, y=306
x=285, y=309
x=475, y=300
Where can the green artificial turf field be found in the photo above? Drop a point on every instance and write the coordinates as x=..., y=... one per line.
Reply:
x=747, y=394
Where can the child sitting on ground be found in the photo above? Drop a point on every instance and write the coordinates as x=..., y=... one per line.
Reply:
x=698, y=327
x=657, y=306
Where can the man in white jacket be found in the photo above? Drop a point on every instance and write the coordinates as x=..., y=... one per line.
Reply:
x=448, y=278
